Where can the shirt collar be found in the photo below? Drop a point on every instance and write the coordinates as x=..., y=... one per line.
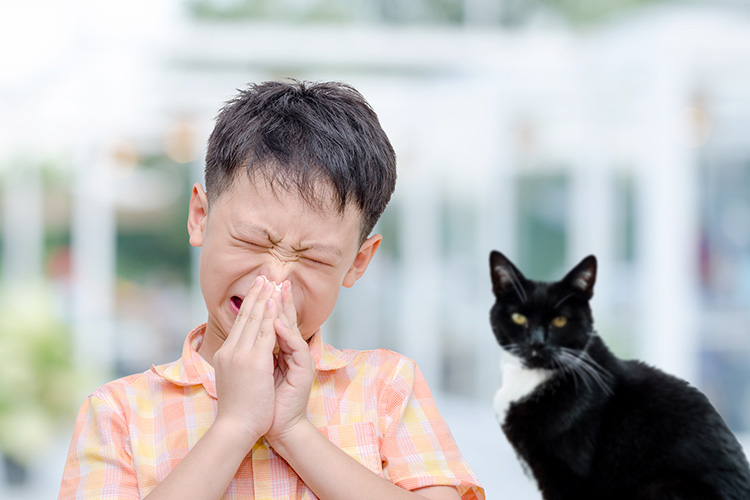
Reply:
x=191, y=369
x=326, y=356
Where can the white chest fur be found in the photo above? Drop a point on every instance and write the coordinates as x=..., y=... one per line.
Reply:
x=518, y=382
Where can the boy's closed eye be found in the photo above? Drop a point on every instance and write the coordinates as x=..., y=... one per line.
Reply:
x=251, y=242
x=320, y=260
x=254, y=244
x=317, y=262
x=316, y=257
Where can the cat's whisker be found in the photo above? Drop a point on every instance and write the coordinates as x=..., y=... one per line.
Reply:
x=514, y=350
x=598, y=377
x=602, y=377
x=571, y=366
x=582, y=363
x=566, y=368
x=594, y=364
x=597, y=372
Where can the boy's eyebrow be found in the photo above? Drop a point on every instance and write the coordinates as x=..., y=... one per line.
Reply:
x=249, y=227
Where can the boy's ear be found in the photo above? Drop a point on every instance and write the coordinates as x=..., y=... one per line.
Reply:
x=197, y=215
x=362, y=260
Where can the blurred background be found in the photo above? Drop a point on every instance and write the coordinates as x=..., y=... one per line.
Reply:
x=547, y=129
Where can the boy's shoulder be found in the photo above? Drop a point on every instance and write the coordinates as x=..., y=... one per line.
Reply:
x=115, y=395
x=379, y=355
x=380, y=361
x=330, y=357
x=122, y=383
x=135, y=385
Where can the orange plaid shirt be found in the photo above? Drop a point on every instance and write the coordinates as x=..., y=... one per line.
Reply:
x=375, y=405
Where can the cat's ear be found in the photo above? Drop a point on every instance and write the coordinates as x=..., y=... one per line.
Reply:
x=504, y=274
x=583, y=276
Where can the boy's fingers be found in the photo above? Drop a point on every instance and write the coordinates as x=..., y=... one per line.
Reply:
x=290, y=339
x=293, y=350
x=244, y=313
x=289, y=311
x=248, y=330
x=265, y=339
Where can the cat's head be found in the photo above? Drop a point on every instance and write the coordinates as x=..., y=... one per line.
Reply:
x=542, y=323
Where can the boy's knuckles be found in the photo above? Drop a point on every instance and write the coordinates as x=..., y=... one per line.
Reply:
x=266, y=333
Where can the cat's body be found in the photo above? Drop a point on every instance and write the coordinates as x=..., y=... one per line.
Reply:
x=588, y=425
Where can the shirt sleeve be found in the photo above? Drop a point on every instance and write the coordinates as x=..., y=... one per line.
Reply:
x=99, y=463
x=418, y=448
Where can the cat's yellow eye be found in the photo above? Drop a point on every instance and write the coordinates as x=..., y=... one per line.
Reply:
x=518, y=318
x=559, y=321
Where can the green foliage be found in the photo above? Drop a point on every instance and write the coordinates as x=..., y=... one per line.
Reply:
x=148, y=252
x=320, y=10
x=39, y=381
x=155, y=245
x=515, y=12
x=588, y=12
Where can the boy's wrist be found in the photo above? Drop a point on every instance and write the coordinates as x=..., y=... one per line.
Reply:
x=232, y=437
x=294, y=438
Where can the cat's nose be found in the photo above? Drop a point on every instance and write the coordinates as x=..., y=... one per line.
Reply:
x=537, y=337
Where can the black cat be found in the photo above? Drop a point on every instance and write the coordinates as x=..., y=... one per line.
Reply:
x=587, y=425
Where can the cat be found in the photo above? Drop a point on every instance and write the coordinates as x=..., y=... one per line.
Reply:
x=588, y=425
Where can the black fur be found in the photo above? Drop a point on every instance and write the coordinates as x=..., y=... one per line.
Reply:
x=600, y=427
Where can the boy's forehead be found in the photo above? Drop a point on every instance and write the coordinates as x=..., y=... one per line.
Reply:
x=318, y=195
x=320, y=200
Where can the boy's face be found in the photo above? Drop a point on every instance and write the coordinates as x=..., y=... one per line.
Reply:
x=251, y=230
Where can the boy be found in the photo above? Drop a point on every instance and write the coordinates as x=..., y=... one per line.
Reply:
x=258, y=406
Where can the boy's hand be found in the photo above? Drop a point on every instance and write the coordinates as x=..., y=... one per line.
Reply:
x=294, y=370
x=245, y=367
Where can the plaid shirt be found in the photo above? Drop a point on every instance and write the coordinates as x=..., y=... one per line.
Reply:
x=375, y=405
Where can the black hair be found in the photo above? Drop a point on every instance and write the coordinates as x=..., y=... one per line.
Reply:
x=305, y=137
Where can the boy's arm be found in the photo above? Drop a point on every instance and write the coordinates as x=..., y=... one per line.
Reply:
x=332, y=474
x=245, y=388
x=207, y=470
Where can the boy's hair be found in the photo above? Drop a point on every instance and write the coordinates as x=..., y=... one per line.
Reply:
x=304, y=136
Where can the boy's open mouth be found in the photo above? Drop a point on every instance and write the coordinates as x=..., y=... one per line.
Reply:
x=237, y=300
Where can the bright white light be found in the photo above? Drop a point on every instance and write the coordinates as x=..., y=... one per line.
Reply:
x=33, y=33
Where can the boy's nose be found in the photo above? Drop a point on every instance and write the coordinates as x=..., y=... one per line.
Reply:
x=276, y=279
x=277, y=266
x=274, y=274
x=268, y=280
